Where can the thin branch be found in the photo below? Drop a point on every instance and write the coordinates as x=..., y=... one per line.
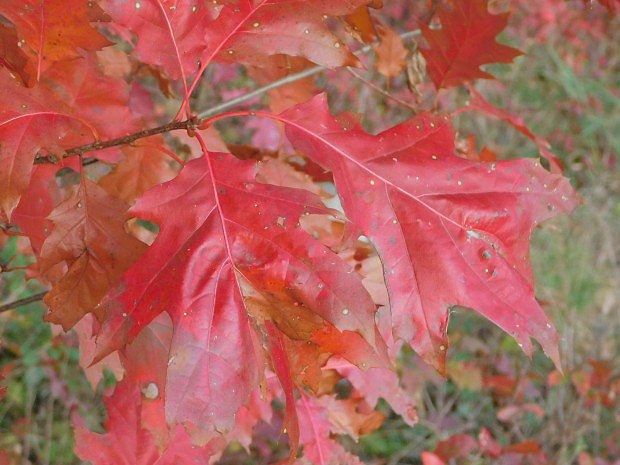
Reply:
x=128, y=139
x=261, y=90
x=26, y=300
x=383, y=92
x=286, y=80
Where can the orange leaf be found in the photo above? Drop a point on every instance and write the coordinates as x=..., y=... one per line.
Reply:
x=90, y=242
x=53, y=31
x=391, y=52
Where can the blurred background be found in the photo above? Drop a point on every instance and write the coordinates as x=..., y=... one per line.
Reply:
x=496, y=406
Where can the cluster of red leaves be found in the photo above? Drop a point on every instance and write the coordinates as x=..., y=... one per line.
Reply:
x=253, y=291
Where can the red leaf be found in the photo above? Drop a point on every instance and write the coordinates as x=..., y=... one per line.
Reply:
x=146, y=365
x=319, y=447
x=601, y=372
x=525, y=447
x=250, y=30
x=101, y=100
x=74, y=105
x=258, y=408
x=89, y=242
x=389, y=389
x=32, y=122
x=465, y=42
x=53, y=31
x=428, y=458
x=283, y=371
x=220, y=228
x=456, y=446
x=488, y=445
x=170, y=33
x=352, y=416
x=127, y=443
x=3, y=375
x=86, y=329
x=501, y=385
x=31, y=214
x=449, y=231
x=276, y=67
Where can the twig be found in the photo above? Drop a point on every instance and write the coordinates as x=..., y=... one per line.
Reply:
x=128, y=139
x=261, y=90
x=286, y=80
x=26, y=300
x=383, y=92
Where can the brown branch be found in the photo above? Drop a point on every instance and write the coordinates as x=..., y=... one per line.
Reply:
x=26, y=300
x=128, y=139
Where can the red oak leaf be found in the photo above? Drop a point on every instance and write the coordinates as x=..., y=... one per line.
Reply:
x=169, y=33
x=282, y=368
x=51, y=31
x=85, y=330
x=31, y=214
x=449, y=231
x=352, y=416
x=247, y=31
x=300, y=363
x=319, y=447
x=101, y=100
x=90, y=245
x=389, y=389
x=465, y=42
x=73, y=105
x=222, y=231
x=3, y=375
x=128, y=443
x=258, y=408
x=32, y=122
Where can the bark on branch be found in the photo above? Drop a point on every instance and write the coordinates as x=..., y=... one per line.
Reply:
x=26, y=300
x=128, y=139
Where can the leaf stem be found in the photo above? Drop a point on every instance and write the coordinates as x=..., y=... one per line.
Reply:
x=213, y=54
